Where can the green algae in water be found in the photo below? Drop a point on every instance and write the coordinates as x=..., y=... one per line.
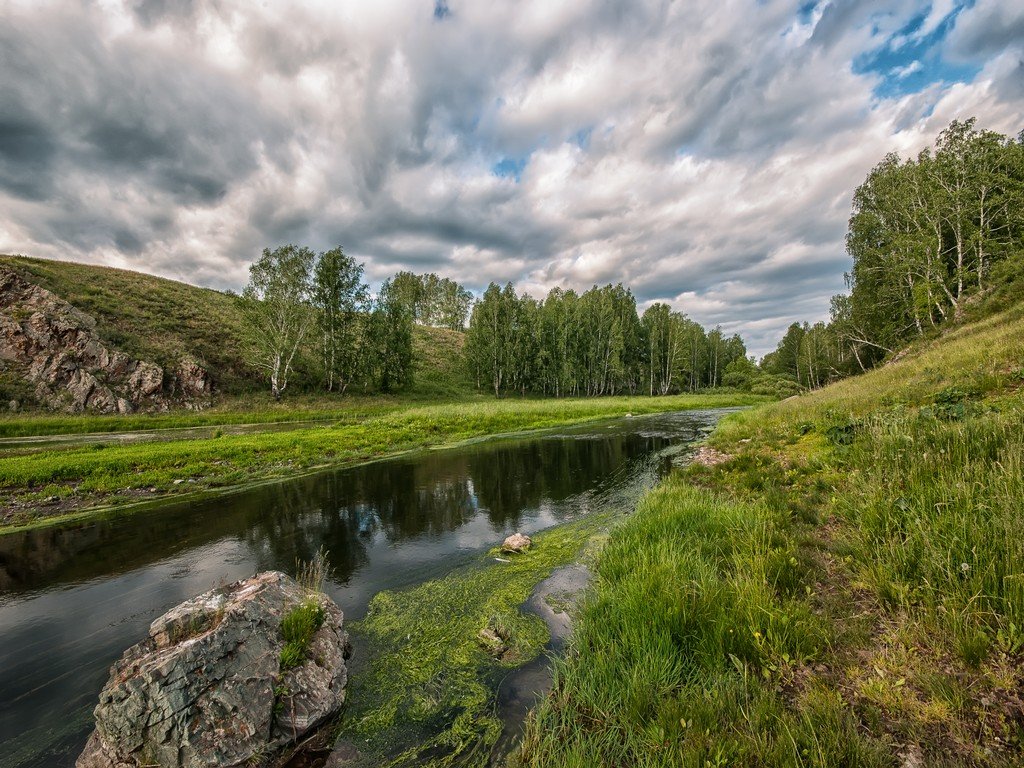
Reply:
x=425, y=693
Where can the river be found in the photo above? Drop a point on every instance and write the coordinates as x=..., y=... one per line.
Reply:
x=73, y=597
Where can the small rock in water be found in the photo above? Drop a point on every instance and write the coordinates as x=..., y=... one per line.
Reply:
x=517, y=542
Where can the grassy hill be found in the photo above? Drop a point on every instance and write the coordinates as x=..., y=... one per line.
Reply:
x=162, y=320
x=838, y=581
x=149, y=317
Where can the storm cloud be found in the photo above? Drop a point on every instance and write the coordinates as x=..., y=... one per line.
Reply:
x=703, y=153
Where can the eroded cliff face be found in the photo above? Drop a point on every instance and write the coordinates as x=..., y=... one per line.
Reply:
x=55, y=347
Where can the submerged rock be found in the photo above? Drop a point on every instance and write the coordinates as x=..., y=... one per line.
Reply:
x=206, y=689
x=517, y=542
x=492, y=641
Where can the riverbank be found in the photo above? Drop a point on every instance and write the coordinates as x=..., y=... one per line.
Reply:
x=40, y=486
x=839, y=582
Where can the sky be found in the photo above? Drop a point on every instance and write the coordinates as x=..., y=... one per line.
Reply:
x=702, y=153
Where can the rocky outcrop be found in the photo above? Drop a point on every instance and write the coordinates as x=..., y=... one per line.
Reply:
x=191, y=380
x=207, y=689
x=55, y=347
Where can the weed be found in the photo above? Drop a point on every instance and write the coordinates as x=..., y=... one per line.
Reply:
x=297, y=629
x=313, y=574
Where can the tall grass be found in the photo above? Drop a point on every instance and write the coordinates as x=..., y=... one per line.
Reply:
x=696, y=622
x=894, y=637
x=937, y=509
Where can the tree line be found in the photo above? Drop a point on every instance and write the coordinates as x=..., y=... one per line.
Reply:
x=930, y=237
x=592, y=344
x=312, y=315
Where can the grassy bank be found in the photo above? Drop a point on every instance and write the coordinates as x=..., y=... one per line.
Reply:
x=841, y=583
x=53, y=482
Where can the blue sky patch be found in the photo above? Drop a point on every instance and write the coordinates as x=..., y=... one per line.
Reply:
x=909, y=62
x=510, y=168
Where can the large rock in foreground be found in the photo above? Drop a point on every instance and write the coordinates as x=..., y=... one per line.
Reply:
x=206, y=689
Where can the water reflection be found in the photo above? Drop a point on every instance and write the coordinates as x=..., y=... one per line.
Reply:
x=73, y=597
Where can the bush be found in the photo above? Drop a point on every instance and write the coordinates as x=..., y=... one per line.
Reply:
x=774, y=386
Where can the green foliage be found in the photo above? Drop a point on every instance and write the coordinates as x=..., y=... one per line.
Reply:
x=934, y=240
x=340, y=299
x=926, y=233
x=297, y=629
x=389, y=367
x=433, y=300
x=778, y=387
x=292, y=289
x=275, y=304
x=592, y=344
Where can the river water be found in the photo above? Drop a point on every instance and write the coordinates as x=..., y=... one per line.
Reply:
x=74, y=597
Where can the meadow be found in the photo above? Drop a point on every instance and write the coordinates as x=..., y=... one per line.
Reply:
x=842, y=584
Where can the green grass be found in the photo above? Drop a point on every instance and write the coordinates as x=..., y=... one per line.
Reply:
x=255, y=409
x=696, y=623
x=81, y=476
x=847, y=588
x=297, y=629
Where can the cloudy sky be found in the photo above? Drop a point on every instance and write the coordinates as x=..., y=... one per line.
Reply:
x=703, y=153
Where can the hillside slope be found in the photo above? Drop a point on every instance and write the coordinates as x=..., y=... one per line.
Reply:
x=837, y=580
x=164, y=321
x=149, y=317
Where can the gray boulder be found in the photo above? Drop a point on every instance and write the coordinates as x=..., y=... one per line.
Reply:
x=206, y=688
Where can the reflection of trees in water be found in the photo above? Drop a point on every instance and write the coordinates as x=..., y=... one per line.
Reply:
x=341, y=511
x=297, y=520
x=428, y=494
x=512, y=478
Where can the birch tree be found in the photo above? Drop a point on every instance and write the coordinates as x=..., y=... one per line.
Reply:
x=278, y=314
x=340, y=298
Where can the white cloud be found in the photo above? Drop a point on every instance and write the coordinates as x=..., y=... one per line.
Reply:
x=704, y=155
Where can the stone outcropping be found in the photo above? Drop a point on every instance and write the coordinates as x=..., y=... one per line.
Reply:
x=206, y=688
x=55, y=347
